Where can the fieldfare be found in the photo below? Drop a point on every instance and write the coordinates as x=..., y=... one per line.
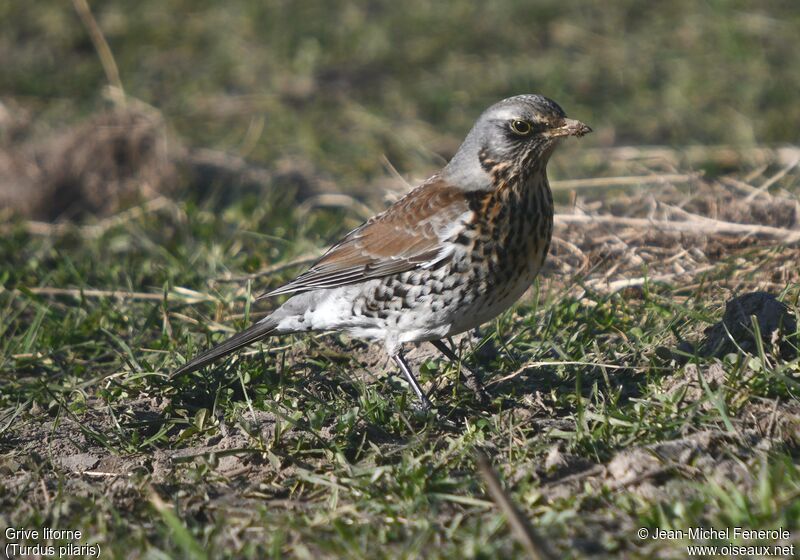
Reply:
x=453, y=253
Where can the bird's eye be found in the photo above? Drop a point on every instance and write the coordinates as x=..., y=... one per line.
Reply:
x=523, y=128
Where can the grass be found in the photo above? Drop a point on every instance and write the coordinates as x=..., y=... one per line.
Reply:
x=307, y=446
x=297, y=448
x=339, y=84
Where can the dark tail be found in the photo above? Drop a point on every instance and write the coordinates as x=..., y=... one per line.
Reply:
x=239, y=340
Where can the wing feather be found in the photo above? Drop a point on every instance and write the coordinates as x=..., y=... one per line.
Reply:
x=407, y=236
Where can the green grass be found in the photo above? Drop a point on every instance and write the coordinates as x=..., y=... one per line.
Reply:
x=304, y=446
x=335, y=462
x=340, y=84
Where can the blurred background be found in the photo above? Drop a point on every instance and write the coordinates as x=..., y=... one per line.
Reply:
x=340, y=92
x=164, y=161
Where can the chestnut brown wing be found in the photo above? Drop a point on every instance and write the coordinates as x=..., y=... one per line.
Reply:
x=407, y=236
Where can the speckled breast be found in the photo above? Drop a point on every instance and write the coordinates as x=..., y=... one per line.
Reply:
x=509, y=241
x=496, y=258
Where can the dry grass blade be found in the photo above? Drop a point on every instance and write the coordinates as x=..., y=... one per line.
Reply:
x=605, y=182
x=699, y=225
x=534, y=545
x=772, y=180
x=335, y=200
x=94, y=231
x=695, y=155
x=616, y=285
x=181, y=294
x=270, y=270
x=103, y=50
x=549, y=363
x=78, y=292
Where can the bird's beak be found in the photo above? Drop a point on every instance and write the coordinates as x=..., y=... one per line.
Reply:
x=571, y=127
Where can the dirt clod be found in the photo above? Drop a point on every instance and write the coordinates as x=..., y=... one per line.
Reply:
x=736, y=331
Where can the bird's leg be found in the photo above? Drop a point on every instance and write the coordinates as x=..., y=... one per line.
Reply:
x=471, y=378
x=406, y=369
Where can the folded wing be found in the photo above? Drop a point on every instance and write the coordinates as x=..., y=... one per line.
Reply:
x=407, y=236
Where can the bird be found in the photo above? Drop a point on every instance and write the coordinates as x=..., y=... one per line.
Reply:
x=453, y=253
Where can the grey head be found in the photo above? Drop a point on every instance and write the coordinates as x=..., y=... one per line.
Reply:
x=520, y=132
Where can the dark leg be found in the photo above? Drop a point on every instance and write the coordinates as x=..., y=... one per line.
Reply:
x=471, y=379
x=404, y=367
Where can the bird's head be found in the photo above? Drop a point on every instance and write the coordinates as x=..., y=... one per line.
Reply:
x=517, y=135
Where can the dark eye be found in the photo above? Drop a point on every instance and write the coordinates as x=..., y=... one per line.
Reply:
x=523, y=128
